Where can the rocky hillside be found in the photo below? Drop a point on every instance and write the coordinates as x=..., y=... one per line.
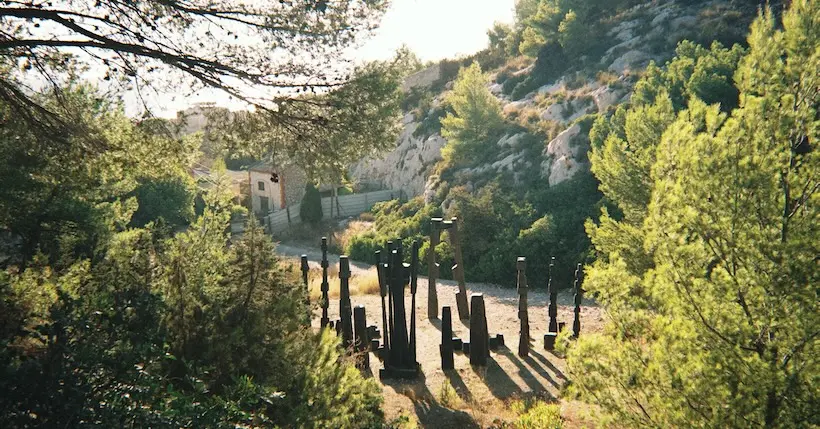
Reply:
x=558, y=112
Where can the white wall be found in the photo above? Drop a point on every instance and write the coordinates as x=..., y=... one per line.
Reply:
x=272, y=192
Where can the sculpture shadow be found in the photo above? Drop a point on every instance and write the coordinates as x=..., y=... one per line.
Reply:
x=525, y=373
x=458, y=384
x=500, y=384
x=548, y=364
x=430, y=413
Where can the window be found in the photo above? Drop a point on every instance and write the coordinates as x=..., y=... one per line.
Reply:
x=261, y=185
x=263, y=202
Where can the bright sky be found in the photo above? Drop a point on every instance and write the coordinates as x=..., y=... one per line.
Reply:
x=433, y=29
x=437, y=29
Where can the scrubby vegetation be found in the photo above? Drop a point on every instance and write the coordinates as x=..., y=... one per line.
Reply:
x=709, y=274
x=107, y=324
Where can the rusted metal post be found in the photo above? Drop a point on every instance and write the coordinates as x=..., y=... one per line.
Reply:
x=325, y=285
x=383, y=292
x=458, y=271
x=479, y=334
x=362, y=338
x=345, y=308
x=446, y=348
x=305, y=269
x=523, y=315
x=432, y=268
x=579, y=280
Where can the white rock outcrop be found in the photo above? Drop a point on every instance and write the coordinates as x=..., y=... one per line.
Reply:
x=628, y=60
x=404, y=167
x=560, y=157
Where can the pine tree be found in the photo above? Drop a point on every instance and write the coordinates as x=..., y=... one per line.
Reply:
x=712, y=292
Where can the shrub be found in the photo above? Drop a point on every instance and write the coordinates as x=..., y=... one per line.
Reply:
x=311, y=208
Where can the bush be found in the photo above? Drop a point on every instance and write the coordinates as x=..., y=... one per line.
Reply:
x=168, y=199
x=311, y=208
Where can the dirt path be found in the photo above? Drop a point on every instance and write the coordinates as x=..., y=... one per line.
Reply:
x=483, y=392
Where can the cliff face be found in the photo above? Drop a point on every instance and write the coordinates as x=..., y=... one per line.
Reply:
x=648, y=32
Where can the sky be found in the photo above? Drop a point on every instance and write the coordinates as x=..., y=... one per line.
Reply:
x=433, y=29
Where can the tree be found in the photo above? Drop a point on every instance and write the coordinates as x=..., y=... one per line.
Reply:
x=311, y=208
x=476, y=116
x=171, y=200
x=282, y=48
x=717, y=323
x=337, y=128
x=64, y=202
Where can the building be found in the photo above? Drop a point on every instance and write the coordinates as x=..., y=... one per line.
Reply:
x=274, y=188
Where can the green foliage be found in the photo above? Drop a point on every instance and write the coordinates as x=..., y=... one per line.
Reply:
x=65, y=200
x=475, y=120
x=310, y=209
x=184, y=332
x=694, y=72
x=171, y=200
x=409, y=221
x=711, y=284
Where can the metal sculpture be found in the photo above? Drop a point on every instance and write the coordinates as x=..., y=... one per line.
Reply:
x=458, y=267
x=383, y=291
x=325, y=285
x=579, y=280
x=447, y=341
x=479, y=347
x=433, y=268
x=400, y=361
x=305, y=269
x=345, y=308
x=523, y=315
x=552, y=312
x=414, y=280
x=362, y=343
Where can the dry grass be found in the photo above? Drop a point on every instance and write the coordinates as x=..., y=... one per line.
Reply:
x=447, y=395
x=362, y=283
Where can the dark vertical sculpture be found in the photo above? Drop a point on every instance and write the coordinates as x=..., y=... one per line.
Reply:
x=523, y=315
x=387, y=277
x=458, y=270
x=400, y=357
x=325, y=285
x=345, y=309
x=305, y=269
x=552, y=310
x=383, y=291
x=479, y=335
x=579, y=280
x=432, y=268
x=362, y=343
x=414, y=280
x=446, y=347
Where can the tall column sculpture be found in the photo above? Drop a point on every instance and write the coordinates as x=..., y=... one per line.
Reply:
x=479, y=334
x=325, y=285
x=432, y=268
x=400, y=357
x=579, y=280
x=362, y=338
x=523, y=314
x=447, y=346
x=458, y=269
x=414, y=280
x=383, y=292
x=552, y=310
x=345, y=308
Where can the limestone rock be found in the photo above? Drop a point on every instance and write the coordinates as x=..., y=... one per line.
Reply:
x=628, y=60
x=605, y=96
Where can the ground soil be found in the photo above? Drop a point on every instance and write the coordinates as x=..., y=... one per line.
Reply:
x=484, y=393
